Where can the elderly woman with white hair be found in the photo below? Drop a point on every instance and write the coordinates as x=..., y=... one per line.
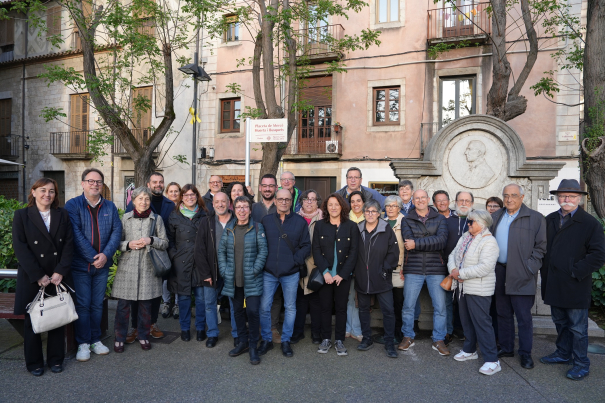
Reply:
x=473, y=264
x=393, y=206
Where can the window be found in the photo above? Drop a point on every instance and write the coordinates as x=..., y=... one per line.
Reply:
x=387, y=10
x=230, y=111
x=53, y=21
x=146, y=21
x=457, y=98
x=5, y=116
x=315, y=123
x=80, y=112
x=86, y=13
x=7, y=32
x=232, y=28
x=386, y=106
x=142, y=113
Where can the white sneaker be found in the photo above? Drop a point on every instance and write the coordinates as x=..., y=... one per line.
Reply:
x=490, y=368
x=462, y=356
x=218, y=314
x=99, y=348
x=83, y=352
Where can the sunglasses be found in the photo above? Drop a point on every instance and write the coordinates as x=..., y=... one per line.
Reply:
x=470, y=222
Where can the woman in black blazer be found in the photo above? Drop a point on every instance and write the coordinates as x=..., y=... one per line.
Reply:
x=42, y=240
x=335, y=243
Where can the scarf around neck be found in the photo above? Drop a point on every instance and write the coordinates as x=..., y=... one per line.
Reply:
x=144, y=214
x=188, y=213
x=310, y=216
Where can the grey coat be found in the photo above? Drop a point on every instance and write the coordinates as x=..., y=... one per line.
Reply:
x=135, y=278
x=526, y=248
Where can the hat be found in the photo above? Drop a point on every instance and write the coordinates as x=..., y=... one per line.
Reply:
x=569, y=186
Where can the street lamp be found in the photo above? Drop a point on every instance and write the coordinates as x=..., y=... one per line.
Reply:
x=196, y=71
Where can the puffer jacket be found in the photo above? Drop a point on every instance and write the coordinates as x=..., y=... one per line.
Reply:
x=397, y=282
x=346, y=239
x=478, y=270
x=281, y=261
x=430, y=239
x=375, y=264
x=181, y=238
x=110, y=231
x=255, y=256
x=135, y=277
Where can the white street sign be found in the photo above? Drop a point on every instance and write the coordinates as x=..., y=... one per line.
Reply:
x=268, y=130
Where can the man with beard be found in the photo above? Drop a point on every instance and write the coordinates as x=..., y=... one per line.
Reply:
x=162, y=206
x=456, y=226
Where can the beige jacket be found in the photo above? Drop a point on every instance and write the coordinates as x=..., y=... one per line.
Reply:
x=135, y=278
x=397, y=282
x=309, y=261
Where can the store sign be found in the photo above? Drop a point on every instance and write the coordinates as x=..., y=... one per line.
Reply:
x=269, y=130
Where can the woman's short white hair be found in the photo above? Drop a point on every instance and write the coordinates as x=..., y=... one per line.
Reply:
x=141, y=190
x=392, y=198
x=482, y=217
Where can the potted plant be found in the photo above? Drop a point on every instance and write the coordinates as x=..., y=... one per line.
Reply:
x=338, y=127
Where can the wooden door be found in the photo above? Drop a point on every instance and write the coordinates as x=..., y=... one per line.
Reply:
x=320, y=184
x=59, y=176
x=458, y=19
x=79, y=123
x=5, y=127
x=315, y=124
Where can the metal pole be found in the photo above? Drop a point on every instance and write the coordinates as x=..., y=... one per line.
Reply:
x=23, y=114
x=194, y=141
x=247, y=151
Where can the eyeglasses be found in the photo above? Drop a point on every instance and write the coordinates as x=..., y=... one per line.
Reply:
x=513, y=196
x=189, y=195
x=92, y=182
x=215, y=182
x=242, y=208
x=463, y=201
x=421, y=198
x=392, y=206
x=574, y=197
x=371, y=212
x=495, y=206
x=267, y=186
x=470, y=222
x=287, y=179
x=356, y=178
x=287, y=200
x=307, y=200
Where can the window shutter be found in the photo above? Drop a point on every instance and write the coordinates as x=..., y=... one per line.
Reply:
x=5, y=117
x=53, y=21
x=7, y=32
x=143, y=118
x=317, y=91
x=79, y=112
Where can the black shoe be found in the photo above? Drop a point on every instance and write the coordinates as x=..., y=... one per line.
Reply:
x=235, y=341
x=37, y=372
x=391, y=351
x=286, y=350
x=316, y=338
x=526, y=361
x=56, y=369
x=264, y=347
x=459, y=333
x=502, y=353
x=254, y=357
x=211, y=342
x=185, y=335
x=416, y=328
x=297, y=338
x=239, y=350
x=365, y=344
x=448, y=339
x=201, y=335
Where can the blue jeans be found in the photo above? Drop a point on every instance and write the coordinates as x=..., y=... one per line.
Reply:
x=289, y=285
x=90, y=290
x=353, y=323
x=572, y=334
x=233, y=324
x=411, y=289
x=205, y=310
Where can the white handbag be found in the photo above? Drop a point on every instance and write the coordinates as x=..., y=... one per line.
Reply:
x=51, y=312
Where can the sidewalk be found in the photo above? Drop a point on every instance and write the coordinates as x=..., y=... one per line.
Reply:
x=183, y=372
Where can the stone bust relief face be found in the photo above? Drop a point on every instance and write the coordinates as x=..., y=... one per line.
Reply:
x=474, y=151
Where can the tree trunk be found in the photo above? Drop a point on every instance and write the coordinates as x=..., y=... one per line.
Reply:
x=496, y=97
x=593, y=160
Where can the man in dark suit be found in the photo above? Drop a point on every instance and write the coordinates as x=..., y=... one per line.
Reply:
x=576, y=248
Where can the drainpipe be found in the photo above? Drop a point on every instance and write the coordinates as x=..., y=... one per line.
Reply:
x=23, y=111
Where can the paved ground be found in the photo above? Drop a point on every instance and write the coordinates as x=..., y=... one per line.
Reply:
x=182, y=371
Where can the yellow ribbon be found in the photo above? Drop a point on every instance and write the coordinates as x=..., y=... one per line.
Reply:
x=195, y=116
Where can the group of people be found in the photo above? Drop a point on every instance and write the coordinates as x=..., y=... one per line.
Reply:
x=369, y=248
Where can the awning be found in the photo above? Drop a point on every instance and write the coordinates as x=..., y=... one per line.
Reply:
x=5, y=162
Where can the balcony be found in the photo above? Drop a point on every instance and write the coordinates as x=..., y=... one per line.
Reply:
x=315, y=43
x=9, y=148
x=70, y=145
x=316, y=148
x=463, y=23
x=142, y=135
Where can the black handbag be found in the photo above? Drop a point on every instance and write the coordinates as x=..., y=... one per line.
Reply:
x=159, y=258
x=316, y=280
x=302, y=269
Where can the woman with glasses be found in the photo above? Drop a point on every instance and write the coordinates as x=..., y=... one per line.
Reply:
x=307, y=300
x=185, y=276
x=473, y=264
x=241, y=258
x=173, y=193
x=494, y=204
x=356, y=199
x=378, y=256
x=393, y=206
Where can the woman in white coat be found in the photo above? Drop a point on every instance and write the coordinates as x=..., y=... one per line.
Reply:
x=472, y=263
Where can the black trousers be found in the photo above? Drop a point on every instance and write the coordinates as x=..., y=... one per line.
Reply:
x=477, y=325
x=32, y=345
x=252, y=309
x=155, y=311
x=305, y=303
x=385, y=300
x=519, y=306
x=338, y=296
x=398, y=308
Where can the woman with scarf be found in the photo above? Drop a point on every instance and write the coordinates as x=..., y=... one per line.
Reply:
x=473, y=263
x=185, y=277
x=307, y=300
x=135, y=278
x=357, y=200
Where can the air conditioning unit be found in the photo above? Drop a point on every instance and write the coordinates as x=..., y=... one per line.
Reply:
x=332, y=147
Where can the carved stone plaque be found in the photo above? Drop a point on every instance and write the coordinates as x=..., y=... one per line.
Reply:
x=474, y=159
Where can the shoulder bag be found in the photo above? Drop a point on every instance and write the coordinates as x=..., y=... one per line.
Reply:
x=302, y=269
x=316, y=280
x=159, y=258
x=51, y=312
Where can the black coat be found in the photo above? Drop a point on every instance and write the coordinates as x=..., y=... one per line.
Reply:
x=40, y=252
x=206, y=262
x=573, y=253
x=208, y=199
x=346, y=238
x=181, y=238
x=375, y=264
x=430, y=239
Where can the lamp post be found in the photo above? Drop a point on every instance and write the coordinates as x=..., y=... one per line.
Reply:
x=198, y=74
x=24, y=147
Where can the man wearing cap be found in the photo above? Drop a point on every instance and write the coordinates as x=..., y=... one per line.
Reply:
x=576, y=248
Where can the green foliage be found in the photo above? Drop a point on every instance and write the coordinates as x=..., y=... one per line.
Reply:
x=112, y=273
x=439, y=48
x=546, y=85
x=598, y=282
x=8, y=259
x=597, y=116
